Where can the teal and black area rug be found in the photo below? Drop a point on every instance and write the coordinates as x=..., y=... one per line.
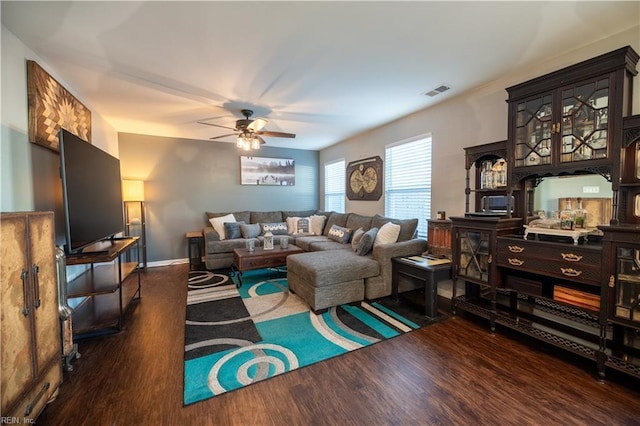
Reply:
x=236, y=337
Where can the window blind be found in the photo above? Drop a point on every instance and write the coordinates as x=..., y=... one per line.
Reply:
x=407, y=185
x=334, y=186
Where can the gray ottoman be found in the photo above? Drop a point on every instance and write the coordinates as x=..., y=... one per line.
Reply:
x=329, y=278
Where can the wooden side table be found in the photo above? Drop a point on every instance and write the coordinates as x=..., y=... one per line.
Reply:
x=430, y=275
x=195, y=242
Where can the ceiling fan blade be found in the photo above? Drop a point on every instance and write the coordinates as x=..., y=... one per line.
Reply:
x=276, y=134
x=216, y=125
x=262, y=141
x=257, y=124
x=223, y=136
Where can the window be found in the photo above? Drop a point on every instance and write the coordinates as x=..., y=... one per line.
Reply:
x=334, y=192
x=407, y=181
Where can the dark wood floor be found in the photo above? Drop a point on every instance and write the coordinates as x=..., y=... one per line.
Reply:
x=454, y=372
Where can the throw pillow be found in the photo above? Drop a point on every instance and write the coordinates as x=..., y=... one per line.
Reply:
x=278, y=228
x=340, y=234
x=298, y=225
x=387, y=234
x=232, y=230
x=366, y=242
x=250, y=230
x=317, y=224
x=291, y=224
x=218, y=224
x=303, y=225
x=355, y=238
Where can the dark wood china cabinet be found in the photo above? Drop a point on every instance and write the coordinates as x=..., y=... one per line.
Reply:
x=579, y=291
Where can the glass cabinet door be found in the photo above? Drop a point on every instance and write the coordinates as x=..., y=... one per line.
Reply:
x=627, y=288
x=533, y=131
x=474, y=255
x=585, y=124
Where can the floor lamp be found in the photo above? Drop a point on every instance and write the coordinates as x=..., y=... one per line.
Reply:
x=134, y=210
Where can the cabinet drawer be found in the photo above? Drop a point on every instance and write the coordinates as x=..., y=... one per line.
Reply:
x=42, y=392
x=558, y=260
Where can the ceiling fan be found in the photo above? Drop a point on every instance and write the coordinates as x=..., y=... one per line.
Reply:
x=249, y=131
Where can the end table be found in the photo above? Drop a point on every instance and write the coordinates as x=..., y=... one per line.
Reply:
x=195, y=242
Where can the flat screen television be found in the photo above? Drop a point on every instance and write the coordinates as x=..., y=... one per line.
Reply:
x=91, y=195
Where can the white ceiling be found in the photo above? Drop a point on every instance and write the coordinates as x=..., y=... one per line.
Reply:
x=322, y=70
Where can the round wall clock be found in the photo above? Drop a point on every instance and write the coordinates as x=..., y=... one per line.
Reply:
x=364, y=179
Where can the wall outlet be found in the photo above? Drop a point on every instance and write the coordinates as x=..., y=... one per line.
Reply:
x=590, y=189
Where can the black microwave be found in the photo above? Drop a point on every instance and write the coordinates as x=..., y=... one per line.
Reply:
x=495, y=203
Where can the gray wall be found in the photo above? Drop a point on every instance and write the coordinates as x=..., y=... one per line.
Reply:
x=184, y=178
x=471, y=118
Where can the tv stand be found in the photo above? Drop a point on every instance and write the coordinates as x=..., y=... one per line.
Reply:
x=101, y=296
x=102, y=246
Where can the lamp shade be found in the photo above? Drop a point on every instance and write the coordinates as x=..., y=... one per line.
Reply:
x=132, y=190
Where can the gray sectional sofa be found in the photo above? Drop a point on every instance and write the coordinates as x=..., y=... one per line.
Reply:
x=329, y=273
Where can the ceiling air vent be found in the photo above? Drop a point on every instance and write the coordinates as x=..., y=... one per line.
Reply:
x=436, y=91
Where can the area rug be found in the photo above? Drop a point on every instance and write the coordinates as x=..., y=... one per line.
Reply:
x=236, y=337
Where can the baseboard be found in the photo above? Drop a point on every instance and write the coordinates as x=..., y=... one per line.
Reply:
x=168, y=262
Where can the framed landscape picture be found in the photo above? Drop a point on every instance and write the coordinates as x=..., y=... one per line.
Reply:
x=267, y=171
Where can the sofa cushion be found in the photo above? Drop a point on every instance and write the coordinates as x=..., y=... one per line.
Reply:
x=218, y=224
x=328, y=245
x=266, y=217
x=232, y=230
x=407, y=226
x=304, y=241
x=301, y=213
x=278, y=228
x=334, y=218
x=242, y=216
x=250, y=230
x=387, y=234
x=340, y=234
x=356, y=221
x=366, y=242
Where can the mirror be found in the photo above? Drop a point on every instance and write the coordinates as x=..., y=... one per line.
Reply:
x=594, y=190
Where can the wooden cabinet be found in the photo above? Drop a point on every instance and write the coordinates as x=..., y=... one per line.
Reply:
x=31, y=346
x=101, y=296
x=630, y=183
x=474, y=242
x=622, y=291
x=581, y=296
x=571, y=120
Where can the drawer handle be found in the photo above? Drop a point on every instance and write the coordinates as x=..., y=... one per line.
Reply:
x=516, y=249
x=515, y=262
x=29, y=408
x=24, y=276
x=570, y=257
x=570, y=272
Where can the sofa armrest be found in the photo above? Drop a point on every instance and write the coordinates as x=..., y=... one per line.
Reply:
x=210, y=234
x=383, y=253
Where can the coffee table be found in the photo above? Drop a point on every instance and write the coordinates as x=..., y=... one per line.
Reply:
x=243, y=260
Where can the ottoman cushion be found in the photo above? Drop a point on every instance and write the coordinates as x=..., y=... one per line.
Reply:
x=321, y=269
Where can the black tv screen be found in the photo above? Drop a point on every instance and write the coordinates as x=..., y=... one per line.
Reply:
x=91, y=192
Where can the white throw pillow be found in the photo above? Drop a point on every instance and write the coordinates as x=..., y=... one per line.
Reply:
x=218, y=224
x=387, y=234
x=317, y=224
x=292, y=225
